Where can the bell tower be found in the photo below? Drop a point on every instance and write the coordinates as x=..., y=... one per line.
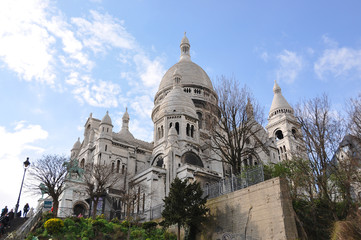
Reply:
x=283, y=126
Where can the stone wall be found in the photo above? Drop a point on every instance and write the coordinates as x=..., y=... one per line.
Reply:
x=262, y=211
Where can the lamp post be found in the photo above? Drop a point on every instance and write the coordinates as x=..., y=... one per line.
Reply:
x=26, y=166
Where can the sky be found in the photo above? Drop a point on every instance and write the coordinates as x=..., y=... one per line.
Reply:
x=62, y=60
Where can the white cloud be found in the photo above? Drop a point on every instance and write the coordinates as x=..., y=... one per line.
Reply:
x=103, y=32
x=142, y=106
x=40, y=44
x=290, y=66
x=150, y=72
x=15, y=146
x=329, y=41
x=339, y=62
x=21, y=139
x=25, y=45
x=98, y=94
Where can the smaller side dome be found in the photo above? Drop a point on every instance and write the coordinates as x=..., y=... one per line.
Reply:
x=106, y=119
x=178, y=102
x=77, y=145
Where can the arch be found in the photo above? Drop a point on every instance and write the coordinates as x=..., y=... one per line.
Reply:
x=177, y=127
x=192, y=158
x=118, y=166
x=161, y=131
x=192, y=131
x=200, y=119
x=294, y=133
x=82, y=163
x=158, y=161
x=279, y=134
x=188, y=129
x=80, y=208
x=113, y=165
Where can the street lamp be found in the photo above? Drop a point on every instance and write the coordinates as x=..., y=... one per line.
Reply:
x=26, y=166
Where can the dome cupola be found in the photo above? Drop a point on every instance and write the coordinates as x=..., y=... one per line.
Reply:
x=177, y=101
x=185, y=47
x=124, y=132
x=279, y=103
x=76, y=145
x=107, y=120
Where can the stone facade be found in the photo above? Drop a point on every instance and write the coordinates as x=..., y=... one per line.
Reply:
x=183, y=106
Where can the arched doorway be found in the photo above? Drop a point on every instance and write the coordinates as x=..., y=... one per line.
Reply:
x=79, y=208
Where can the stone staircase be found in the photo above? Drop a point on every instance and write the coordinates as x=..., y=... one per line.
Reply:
x=14, y=225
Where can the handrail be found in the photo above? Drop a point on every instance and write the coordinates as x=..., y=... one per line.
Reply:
x=24, y=229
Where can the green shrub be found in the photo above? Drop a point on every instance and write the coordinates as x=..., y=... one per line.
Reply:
x=137, y=233
x=149, y=225
x=169, y=236
x=125, y=224
x=115, y=220
x=54, y=225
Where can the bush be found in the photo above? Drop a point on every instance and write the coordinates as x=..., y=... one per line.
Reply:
x=125, y=224
x=115, y=220
x=149, y=225
x=54, y=225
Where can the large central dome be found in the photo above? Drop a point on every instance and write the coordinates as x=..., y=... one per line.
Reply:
x=191, y=73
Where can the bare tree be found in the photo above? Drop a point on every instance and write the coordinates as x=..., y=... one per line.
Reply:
x=98, y=178
x=354, y=114
x=322, y=131
x=235, y=134
x=48, y=175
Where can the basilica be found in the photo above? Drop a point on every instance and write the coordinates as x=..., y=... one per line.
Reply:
x=183, y=105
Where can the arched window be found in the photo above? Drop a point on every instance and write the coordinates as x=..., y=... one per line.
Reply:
x=118, y=166
x=281, y=149
x=170, y=125
x=162, y=132
x=279, y=135
x=284, y=148
x=106, y=147
x=177, y=127
x=188, y=129
x=200, y=119
x=250, y=160
x=82, y=163
x=100, y=156
x=123, y=169
x=113, y=166
x=192, y=130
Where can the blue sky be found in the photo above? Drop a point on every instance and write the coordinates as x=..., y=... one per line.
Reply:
x=62, y=60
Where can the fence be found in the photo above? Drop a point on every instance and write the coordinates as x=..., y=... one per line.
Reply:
x=224, y=186
x=234, y=183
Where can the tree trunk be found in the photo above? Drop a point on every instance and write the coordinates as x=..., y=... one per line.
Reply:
x=96, y=200
x=178, y=235
x=55, y=206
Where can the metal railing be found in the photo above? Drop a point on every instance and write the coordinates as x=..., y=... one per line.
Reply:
x=234, y=183
x=23, y=230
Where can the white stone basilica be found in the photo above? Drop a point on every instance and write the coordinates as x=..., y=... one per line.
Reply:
x=183, y=105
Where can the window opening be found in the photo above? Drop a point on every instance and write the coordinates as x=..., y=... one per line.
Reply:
x=118, y=166
x=177, y=127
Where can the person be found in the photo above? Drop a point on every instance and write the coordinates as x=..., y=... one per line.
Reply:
x=4, y=211
x=11, y=215
x=26, y=209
